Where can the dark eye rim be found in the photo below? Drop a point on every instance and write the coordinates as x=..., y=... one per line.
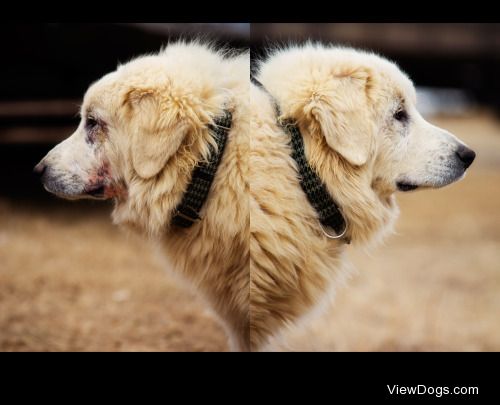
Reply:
x=401, y=115
x=91, y=122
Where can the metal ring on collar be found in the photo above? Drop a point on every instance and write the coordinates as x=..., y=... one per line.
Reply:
x=335, y=236
x=330, y=236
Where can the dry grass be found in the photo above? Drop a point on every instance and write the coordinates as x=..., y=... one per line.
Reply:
x=435, y=285
x=69, y=280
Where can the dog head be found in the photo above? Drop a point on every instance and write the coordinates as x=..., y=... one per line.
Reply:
x=362, y=131
x=408, y=152
x=143, y=129
x=80, y=166
x=364, y=108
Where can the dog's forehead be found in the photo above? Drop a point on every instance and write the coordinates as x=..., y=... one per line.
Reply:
x=102, y=92
x=400, y=83
x=405, y=88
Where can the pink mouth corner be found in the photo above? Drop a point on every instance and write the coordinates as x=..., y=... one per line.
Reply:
x=102, y=185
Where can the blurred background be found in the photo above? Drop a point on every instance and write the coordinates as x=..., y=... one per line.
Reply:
x=70, y=280
x=435, y=284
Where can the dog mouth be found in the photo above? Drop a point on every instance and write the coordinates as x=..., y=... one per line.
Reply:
x=439, y=181
x=404, y=186
x=97, y=192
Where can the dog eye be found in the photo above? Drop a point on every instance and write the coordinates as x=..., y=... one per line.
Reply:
x=91, y=123
x=401, y=115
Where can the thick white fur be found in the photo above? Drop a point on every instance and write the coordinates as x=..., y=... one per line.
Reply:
x=344, y=102
x=155, y=113
x=259, y=256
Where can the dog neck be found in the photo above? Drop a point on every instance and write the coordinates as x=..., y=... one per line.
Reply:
x=329, y=214
x=148, y=200
x=368, y=207
x=187, y=211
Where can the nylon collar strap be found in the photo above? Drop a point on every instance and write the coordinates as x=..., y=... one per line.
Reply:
x=329, y=213
x=188, y=210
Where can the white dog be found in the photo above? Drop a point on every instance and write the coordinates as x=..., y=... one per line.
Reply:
x=334, y=134
x=311, y=161
x=166, y=137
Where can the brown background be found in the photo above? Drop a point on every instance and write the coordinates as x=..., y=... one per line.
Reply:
x=69, y=280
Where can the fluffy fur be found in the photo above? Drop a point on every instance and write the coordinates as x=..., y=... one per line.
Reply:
x=348, y=107
x=259, y=255
x=152, y=118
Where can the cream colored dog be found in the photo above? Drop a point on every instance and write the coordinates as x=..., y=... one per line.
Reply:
x=144, y=128
x=259, y=254
x=365, y=139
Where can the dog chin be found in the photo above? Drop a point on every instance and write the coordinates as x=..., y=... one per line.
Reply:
x=71, y=194
x=447, y=180
x=410, y=185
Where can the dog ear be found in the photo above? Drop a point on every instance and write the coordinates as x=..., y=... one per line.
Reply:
x=342, y=114
x=157, y=131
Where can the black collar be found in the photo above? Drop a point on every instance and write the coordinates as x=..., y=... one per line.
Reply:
x=188, y=210
x=329, y=213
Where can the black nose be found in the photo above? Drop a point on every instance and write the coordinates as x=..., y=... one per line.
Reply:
x=39, y=169
x=466, y=155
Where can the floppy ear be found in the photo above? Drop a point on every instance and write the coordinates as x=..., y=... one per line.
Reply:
x=157, y=131
x=342, y=114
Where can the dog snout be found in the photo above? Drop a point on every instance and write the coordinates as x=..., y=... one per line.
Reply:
x=466, y=155
x=40, y=169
